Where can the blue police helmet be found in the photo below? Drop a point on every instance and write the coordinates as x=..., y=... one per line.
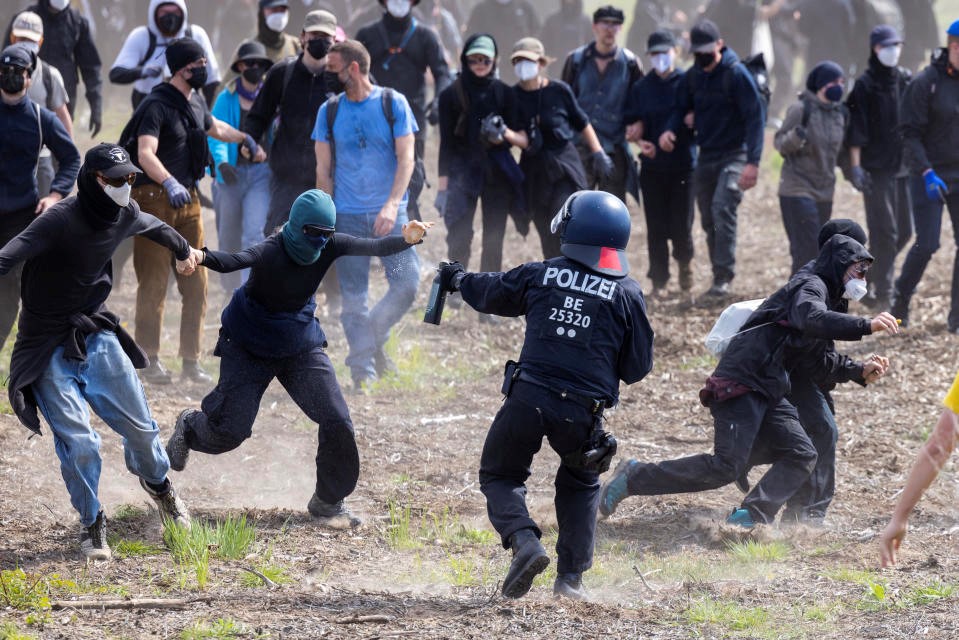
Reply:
x=594, y=231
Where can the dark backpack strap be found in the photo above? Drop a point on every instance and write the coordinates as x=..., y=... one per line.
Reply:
x=576, y=63
x=47, y=83
x=287, y=77
x=387, y=100
x=464, y=103
x=153, y=43
x=395, y=51
x=332, y=106
x=806, y=112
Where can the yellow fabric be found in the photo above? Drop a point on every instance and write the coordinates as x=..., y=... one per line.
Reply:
x=952, y=398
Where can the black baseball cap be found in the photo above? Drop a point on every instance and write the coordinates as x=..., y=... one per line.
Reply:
x=660, y=41
x=16, y=55
x=111, y=160
x=609, y=12
x=703, y=36
x=884, y=36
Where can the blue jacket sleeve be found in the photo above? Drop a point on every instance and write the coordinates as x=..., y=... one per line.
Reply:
x=751, y=109
x=56, y=138
x=223, y=151
x=502, y=294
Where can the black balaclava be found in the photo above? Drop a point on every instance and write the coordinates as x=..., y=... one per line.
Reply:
x=269, y=37
x=97, y=207
x=397, y=25
x=469, y=78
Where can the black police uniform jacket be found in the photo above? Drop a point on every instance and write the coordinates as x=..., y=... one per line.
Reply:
x=795, y=321
x=584, y=331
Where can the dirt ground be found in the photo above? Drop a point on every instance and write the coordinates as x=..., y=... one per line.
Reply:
x=426, y=563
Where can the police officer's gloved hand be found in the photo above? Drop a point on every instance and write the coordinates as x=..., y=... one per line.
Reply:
x=151, y=70
x=860, y=179
x=936, y=189
x=450, y=275
x=176, y=193
x=440, y=202
x=602, y=164
x=250, y=145
x=433, y=114
x=228, y=173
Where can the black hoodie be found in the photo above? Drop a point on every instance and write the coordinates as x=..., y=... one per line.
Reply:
x=792, y=319
x=930, y=121
x=874, y=104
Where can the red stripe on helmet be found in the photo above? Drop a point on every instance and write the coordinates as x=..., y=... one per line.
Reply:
x=609, y=259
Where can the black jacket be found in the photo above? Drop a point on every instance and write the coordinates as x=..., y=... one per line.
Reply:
x=68, y=46
x=402, y=65
x=793, y=320
x=874, y=104
x=292, y=156
x=929, y=120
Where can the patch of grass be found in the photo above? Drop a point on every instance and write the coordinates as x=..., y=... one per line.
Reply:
x=855, y=576
x=462, y=570
x=219, y=628
x=191, y=549
x=24, y=591
x=9, y=631
x=403, y=533
x=127, y=512
x=418, y=368
x=920, y=596
x=276, y=573
x=876, y=596
x=234, y=537
x=408, y=529
x=447, y=528
x=727, y=614
x=123, y=548
x=754, y=551
x=822, y=612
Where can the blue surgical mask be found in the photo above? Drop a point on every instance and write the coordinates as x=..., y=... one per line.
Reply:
x=834, y=93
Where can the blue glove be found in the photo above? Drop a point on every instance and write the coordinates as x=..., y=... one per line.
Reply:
x=936, y=189
x=250, y=145
x=176, y=193
x=440, y=203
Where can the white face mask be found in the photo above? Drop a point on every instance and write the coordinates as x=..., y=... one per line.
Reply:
x=889, y=56
x=526, y=69
x=855, y=289
x=278, y=21
x=398, y=8
x=120, y=195
x=662, y=62
x=59, y=5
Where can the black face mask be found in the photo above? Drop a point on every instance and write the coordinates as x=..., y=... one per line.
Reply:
x=318, y=47
x=169, y=24
x=254, y=74
x=703, y=60
x=12, y=81
x=197, y=79
x=332, y=81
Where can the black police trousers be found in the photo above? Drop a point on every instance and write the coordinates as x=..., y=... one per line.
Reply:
x=748, y=430
x=516, y=435
x=227, y=413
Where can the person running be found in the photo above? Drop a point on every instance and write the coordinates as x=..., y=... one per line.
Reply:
x=269, y=331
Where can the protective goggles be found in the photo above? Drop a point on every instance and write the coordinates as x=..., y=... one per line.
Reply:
x=316, y=231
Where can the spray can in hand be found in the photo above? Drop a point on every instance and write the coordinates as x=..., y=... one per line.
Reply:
x=437, y=300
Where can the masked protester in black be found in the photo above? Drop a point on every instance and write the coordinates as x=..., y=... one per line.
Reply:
x=401, y=50
x=474, y=159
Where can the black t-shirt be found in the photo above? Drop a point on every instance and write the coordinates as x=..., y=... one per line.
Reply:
x=177, y=136
x=554, y=107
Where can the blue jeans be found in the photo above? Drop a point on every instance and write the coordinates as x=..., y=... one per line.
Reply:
x=802, y=218
x=367, y=330
x=108, y=382
x=241, y=210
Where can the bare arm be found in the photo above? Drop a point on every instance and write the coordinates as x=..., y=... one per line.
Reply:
x=225, y=133
x=324, y=172
x=401, y=180
x=149, y=162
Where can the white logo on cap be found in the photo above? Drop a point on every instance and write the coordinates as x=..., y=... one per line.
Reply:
x=117, y=155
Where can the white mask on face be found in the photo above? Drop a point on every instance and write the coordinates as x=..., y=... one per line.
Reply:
x=278, y=21
x=398, y=8
x=889, y=56
x=855, y=289
x=526, y=69
x=120, y=195
x=59, y=5
x=663, y=62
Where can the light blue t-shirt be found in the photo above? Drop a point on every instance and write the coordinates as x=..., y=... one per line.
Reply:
x=365, y=152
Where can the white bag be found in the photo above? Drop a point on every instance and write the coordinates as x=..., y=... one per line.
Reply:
x=729, y=323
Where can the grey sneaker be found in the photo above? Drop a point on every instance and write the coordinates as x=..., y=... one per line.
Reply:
x=334, y=516
x=156, y=373
x=177, y=449
x=169, y=504
x=93, y=540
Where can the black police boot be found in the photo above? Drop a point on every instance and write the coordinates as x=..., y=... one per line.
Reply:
x=569, y=585
x=529, y=560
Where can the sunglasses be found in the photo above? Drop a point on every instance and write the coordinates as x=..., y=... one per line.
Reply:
x=860, y=269
x=316, y=231
x=118, y=182
x=479, y=62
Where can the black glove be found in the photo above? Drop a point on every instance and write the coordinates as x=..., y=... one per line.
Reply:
x=492, y=129
x=151, y=70
x=440, y=202
x=800, y=132
x=228, y=173
x=433, y=114
x=860, y=179
x=96, y=113
x=450, y=275
x=602, y=164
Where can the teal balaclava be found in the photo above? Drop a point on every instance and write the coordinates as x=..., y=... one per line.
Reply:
x=313, y=207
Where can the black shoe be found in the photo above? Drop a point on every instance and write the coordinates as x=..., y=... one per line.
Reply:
x=529, y=560
x=718, y=290
x=168, y=503
x=156, y=373
x=900, y=310
x=384, y=364
x=177, y=449
x=93, y=540
x=194, y=372
x=486, y=318
x=742, y=482
x=334, y=516
x=570, y=585
x=685, y=276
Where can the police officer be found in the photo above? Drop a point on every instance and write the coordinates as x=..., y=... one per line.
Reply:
x=931, y=141
x=601, y=75
x=401, y=50
x=586, y=329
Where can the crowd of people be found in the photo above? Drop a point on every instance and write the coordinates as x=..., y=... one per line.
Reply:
x=316, y=147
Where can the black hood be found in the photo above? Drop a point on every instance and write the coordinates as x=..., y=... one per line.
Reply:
x=98, y=208
x=466, y=73
x=834, y=258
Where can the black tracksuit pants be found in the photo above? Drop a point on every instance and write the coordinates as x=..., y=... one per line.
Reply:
x=668, y=204
x=889, y=219
x=812, y=499
x=743, y=427
x=516, y=435
x=227, y=413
